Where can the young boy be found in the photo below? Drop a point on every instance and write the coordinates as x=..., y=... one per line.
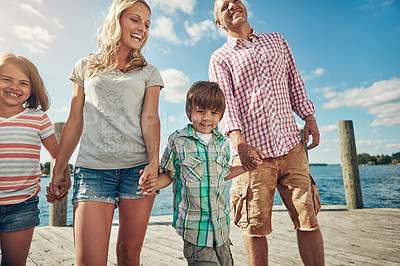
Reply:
x=196, y=160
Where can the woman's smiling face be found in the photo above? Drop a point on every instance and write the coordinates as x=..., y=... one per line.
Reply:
x=135, y=24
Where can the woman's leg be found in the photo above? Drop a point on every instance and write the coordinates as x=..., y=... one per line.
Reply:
x=134, y=215
x=92, y=228
x=15, y=247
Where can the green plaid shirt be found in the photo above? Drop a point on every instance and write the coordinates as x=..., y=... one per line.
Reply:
x=201, y=214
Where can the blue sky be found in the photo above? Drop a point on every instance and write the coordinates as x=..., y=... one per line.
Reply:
x=347, y=52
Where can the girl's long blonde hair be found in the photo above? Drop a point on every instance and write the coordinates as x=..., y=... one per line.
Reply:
x=39, y=98
x=109, y=33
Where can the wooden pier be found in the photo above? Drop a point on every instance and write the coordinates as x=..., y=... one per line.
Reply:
x=351, y=237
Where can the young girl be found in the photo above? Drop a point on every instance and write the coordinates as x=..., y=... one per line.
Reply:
x=114, y=109
x=24, y=125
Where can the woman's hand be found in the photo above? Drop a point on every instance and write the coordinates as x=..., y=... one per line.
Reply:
x=148, y=180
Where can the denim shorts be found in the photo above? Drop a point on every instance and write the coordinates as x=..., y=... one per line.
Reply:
x=197, y=255
x=252, y=193
x=20, y=216
x=106, y=185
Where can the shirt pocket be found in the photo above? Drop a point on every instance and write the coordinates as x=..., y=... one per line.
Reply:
x=223, y=169
x=192, y=169
x=276, y=64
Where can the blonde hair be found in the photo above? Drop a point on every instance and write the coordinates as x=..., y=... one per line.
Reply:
x=207, y=95
x=109, y=35
x=39, y=98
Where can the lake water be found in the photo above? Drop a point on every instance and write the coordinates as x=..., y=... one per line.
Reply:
x=380, y=185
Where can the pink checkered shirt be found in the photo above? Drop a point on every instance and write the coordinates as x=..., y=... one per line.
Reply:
x=262, y=88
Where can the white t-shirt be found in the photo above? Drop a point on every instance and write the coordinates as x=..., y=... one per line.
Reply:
x=112, y=135
x=205, y=137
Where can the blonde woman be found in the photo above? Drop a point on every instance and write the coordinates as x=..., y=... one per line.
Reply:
x=114, y=110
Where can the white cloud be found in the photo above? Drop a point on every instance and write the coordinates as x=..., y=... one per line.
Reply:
x=33, y=11
x=314, y=74
x=171, y=118
x=176, y=84
x=64, y=109
x=382, y=100
x=393, y=146
x=377, y=7
x=2, y=39
x=328, y=128
x=36, y=39
x=40, y=2
x=198, y=30
x=163, y=28
x=171, y=6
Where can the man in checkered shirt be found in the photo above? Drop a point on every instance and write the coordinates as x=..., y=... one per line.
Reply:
x=263, y=88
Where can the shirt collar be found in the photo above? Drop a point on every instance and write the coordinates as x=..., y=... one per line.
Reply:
x=234, y=42
x=190, y=132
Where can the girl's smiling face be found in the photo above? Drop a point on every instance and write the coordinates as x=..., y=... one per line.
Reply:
x=15, y=88
x=205, y=120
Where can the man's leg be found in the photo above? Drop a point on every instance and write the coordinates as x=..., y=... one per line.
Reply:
x=311, y=247
x=257, y=250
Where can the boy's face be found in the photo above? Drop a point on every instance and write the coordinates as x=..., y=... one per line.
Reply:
x=205, y=120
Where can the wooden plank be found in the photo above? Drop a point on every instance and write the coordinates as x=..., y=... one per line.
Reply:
x=351, y=237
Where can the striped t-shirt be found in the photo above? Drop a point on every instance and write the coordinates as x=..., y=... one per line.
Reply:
x=20, y=143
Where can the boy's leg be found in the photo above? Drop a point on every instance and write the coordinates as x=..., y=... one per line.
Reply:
x=15, y=247
x=199, y=256
x=134, y=215
x=224, y=254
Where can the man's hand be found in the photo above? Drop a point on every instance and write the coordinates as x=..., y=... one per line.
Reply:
x=311, y=128
x=251, y=157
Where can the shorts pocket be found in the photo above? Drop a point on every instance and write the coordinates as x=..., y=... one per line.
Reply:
x=239, y=206
x=192, y=169
x=315, y=193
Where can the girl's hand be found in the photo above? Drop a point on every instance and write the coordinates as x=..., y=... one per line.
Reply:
x=58, y=188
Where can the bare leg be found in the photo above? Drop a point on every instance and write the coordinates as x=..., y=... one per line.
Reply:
x=257, y=250
x=311, y=247
x=134, y=215
x=92, y=228
x=15, y=247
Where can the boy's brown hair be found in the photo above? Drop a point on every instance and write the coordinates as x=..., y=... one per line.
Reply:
x=207, y=95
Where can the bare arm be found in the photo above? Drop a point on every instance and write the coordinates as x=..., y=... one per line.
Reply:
x=235, y=171
x=150, y=123
x=69, y=138
x=154, y=183
x=311, y=128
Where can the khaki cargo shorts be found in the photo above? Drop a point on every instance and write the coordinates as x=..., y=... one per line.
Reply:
x=252, y=193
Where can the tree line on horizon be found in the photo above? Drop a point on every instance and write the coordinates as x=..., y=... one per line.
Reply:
x=365, y=158
x=45, y=167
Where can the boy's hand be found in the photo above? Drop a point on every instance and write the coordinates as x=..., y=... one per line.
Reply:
x=148, y=184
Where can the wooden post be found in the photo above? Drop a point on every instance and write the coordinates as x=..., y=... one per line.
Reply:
x=58, y=210
x=351, y=175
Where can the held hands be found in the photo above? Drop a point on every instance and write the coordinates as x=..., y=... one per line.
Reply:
x=311, y=128
x=250, y=156
x=148, y=180
x=59, y=186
